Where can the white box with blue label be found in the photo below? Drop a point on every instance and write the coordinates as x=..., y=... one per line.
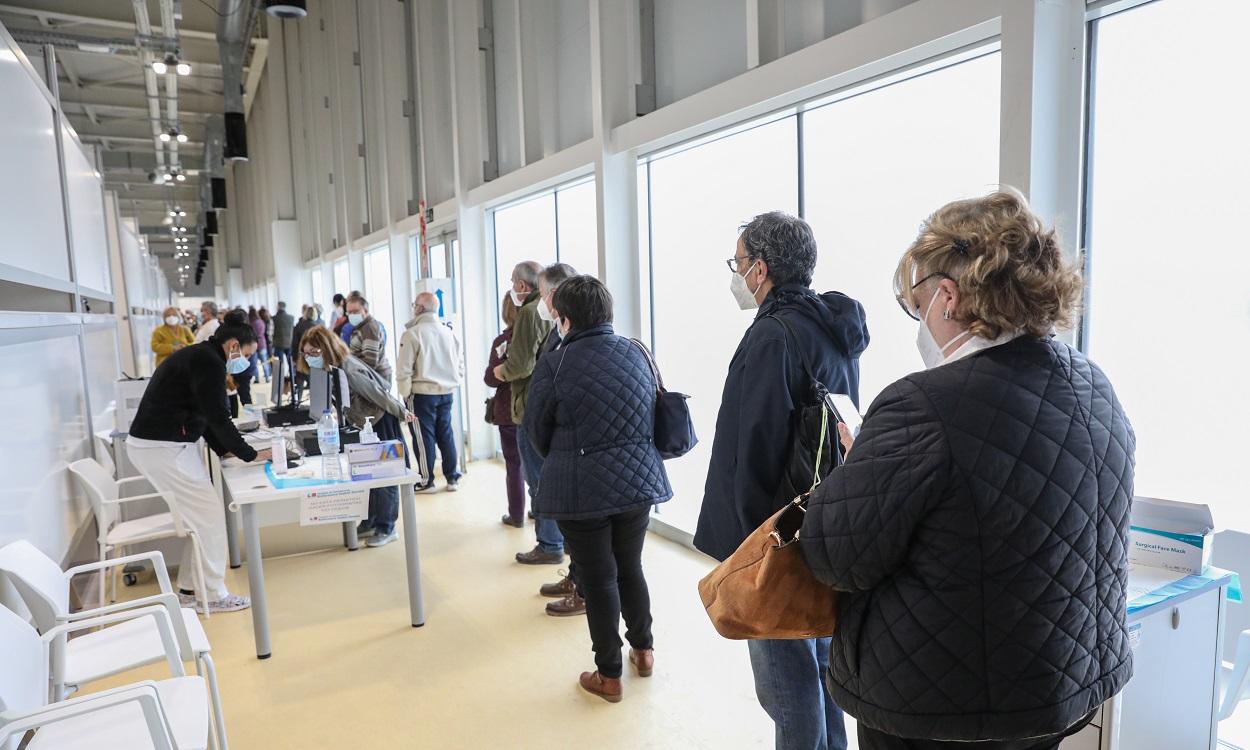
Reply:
x=1170, y=534
x=380, y=460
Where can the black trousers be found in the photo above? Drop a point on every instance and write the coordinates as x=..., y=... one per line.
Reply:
x=608, y=555
x=871, y=739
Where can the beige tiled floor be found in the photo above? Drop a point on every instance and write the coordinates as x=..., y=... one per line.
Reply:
x=489, y=670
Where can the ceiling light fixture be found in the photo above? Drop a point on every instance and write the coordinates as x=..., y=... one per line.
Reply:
x=159, y=67
x=165, y=136
x=184, y=69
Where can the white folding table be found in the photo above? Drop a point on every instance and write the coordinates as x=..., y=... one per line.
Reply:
x=247, y=488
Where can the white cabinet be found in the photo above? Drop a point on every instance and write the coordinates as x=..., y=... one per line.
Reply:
x=1168, y=704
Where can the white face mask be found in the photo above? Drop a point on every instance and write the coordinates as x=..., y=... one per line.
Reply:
x=517, y=299
x=172, y=320
x=742, y=293
x=544, y=312
x=932, y=354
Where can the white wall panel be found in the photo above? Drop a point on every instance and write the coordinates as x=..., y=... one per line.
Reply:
x=30, y=186
x=37, y=500
x=698, y=44
x=573, y=66
x=86, y=211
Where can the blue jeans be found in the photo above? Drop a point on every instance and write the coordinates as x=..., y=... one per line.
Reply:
x=548, y=531
x=384, y=501
x=434, y=419
x=790, y=685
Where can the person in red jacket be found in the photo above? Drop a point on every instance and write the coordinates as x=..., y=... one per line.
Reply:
x=501, y=414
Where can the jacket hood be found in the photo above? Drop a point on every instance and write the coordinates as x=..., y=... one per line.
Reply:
x=841, y=317
x=419, y=318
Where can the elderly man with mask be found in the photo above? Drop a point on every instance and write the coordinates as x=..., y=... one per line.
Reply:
x=772, y=273
x=208, y=322
x=429, y=370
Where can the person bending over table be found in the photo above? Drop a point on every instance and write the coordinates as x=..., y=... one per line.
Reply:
x=370, y=397
x=184, y=401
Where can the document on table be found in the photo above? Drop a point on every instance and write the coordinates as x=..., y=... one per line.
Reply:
x=1144, y=580
x=333, y=505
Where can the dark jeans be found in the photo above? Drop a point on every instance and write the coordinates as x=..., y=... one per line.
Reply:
x=790, y=685
x=434, y=418
x=384, y=501
x=871, y=739
x=608, y=555
x=548, y=531
x=515, y=482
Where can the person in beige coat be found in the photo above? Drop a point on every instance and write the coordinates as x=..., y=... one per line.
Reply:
x=429, y=371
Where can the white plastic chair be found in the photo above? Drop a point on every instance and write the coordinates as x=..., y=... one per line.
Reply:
x=105, y=495
x=1232, y=552
x=168, y=714
x=44, y=589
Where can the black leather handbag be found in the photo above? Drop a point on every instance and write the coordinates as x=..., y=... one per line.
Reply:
x=490, y=410
x=674, y=429
x=813, y=451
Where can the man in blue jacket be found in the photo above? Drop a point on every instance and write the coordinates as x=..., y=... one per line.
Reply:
x=772, y=271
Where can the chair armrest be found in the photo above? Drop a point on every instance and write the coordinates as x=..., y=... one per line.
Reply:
x=158, y=564
x=56, y=636
x=144, y=693
x=168, y=601
x=144, y=496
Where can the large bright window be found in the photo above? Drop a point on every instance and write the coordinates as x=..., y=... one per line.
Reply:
x=558, y=225
x=874, y=170
x=381, y=299
x=699, y=196
x=318, y=287
x=1168, y=263
x=342, y=277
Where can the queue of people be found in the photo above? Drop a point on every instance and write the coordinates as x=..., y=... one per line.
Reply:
x=975, y=533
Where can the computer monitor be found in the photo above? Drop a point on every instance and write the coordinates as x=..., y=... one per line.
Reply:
x=318, y=392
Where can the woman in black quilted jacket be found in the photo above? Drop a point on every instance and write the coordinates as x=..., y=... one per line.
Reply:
x=591, y=414
x=977, y=532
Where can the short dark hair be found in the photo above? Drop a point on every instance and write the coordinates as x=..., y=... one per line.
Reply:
x=358, y=298
x=337, y=299
x=584, y=302
x=556, y=274
x=783, y=241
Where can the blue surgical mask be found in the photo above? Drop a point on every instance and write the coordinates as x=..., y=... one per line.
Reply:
x=318, y=363
x=355, y=319
x=238, y=365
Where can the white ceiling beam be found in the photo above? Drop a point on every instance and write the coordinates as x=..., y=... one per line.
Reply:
x=109, y=23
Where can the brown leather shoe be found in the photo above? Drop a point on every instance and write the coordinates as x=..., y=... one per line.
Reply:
x=568, y=606
x=605, y=687
x=643, y=661
x=537, y=556
x=559, y=590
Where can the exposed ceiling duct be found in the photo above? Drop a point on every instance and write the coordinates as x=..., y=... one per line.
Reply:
x=234, y=31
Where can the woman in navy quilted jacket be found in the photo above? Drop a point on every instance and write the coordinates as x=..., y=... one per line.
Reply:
x=591, y=414
x=977, y=532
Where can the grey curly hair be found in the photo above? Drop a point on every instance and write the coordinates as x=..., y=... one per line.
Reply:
x=785, y=243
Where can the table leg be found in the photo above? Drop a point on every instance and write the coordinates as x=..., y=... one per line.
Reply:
x=256, y=582
x=350, y=540
x=416, y=604
x=232, y=529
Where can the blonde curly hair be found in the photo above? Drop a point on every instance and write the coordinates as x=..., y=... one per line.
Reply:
x=1011, y=273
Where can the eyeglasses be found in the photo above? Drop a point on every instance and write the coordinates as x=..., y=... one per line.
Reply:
x=312, y=352
x=905, y=303
x=733, y=262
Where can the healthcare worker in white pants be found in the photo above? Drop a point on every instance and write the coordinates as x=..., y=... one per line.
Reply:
x=184, y=402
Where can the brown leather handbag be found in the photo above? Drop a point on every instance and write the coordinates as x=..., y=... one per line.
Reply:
x=764, y=590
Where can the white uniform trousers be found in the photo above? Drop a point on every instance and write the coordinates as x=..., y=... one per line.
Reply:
x=178, y=471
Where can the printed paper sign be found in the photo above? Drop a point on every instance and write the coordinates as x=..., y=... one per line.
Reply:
x=333, y=505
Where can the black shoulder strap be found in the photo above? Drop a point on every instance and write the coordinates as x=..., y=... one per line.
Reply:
x=793, y=343
x=655, y=369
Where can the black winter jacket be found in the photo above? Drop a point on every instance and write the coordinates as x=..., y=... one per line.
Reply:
x=764, y=385
x=978, y=531
x=186, y=400
x=591, y=414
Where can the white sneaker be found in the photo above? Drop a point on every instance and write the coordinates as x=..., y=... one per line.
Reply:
x=453, y=486
x=230, y=603
x=381, y=540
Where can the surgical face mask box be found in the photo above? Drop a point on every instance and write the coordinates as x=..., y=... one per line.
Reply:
x=127, y=394
x=379, y=460
x=1171, y=535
